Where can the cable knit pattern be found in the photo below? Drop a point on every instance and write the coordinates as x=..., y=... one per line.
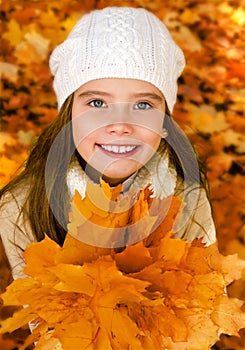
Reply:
x=118, y=42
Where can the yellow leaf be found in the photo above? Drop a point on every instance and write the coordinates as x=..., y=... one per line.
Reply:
x=9, y=70
x=101, y=220
x=48, y=342
x=185, y=36
x=204, y=289
x=74, y=278
x=102, y=340
x=115, y=287
x=133, y=258
x=124, y=332
x=230, y=266
x=239, y=16
x=160, y=321
x=195, y=258
x=202, y=333
x=228, y=316
x=69, y=22
x=169, y=209
x=75, y=335
x=171, y=250
x=17, y=289
x=40, y=43
x=36, y=260
x=189, y=16
x=14, y=33
x=19, y=319
x=27, y=54
x=77, y=252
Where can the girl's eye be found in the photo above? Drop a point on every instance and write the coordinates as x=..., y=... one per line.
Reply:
x=97, y=104
x=143, y=105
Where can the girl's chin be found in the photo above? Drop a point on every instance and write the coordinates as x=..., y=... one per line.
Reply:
x=111, y=174
x=115, y=175
x=114, y=181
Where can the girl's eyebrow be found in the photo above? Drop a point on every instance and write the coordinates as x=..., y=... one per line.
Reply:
x=151, y=95
x=94, y=92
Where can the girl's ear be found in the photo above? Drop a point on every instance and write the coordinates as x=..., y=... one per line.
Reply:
x=164, y=133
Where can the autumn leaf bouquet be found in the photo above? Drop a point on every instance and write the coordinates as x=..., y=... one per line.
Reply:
x=121, y=281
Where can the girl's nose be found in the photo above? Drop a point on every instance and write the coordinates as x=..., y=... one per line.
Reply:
x=120, y=128
x=120, y=120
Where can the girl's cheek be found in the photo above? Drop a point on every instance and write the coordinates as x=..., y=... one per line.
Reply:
x=83, y=129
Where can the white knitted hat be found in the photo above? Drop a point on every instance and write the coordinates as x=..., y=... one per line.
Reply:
x=118, y=42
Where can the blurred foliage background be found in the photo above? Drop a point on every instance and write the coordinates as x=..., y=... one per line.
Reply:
x=210, y=107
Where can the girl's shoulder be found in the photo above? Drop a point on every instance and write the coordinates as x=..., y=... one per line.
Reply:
x=12, y=201
x=195, y=219
x=15, y=231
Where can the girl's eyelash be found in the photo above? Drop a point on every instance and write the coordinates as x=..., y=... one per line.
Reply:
x=96, y=100
x=144, y=102
x=149, y=104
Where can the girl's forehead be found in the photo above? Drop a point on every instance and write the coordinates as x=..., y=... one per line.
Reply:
x=120, y=86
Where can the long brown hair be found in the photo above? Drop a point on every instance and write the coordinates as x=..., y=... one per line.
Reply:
x=36, y=207
x=32, y=179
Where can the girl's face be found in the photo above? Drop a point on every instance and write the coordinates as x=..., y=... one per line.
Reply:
x=117, y=125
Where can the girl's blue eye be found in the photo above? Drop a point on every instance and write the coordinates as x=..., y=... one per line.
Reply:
x=143, y=106
x=97, y=104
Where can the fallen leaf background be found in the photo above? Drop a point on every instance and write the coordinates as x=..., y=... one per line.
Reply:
x=210, y=107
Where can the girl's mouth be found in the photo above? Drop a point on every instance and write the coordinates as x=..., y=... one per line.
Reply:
x=118, y=150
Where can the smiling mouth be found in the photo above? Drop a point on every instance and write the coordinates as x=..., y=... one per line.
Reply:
x=119, y=149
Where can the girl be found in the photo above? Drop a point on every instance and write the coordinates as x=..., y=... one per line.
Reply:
x=115, y=78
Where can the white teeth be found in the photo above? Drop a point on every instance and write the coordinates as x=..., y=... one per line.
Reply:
x=118, y=149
